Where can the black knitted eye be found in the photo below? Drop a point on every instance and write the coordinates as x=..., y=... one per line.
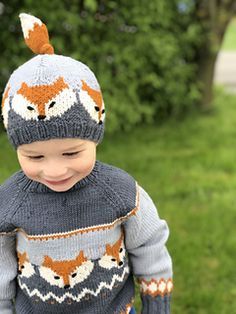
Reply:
x=30, y=108
x=56, y=277
x=121, y=249
x=51, y=104
x=22, y=267
x=96, y=108
x=103, y=110
x=113, y=259
x=73, y=275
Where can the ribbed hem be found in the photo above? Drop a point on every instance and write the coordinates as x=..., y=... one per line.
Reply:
x=155, y=305
x=49, y=130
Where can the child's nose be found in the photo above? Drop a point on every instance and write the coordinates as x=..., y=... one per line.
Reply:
x=55, y=170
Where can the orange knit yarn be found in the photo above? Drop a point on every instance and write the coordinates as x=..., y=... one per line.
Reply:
x=38, y=40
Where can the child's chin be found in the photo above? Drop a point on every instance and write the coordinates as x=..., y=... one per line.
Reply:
x=61, y=187
x=57, y=189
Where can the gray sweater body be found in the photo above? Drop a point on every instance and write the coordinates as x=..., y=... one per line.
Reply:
x=77, y=251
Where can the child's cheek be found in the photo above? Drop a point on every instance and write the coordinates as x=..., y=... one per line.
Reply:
x=31, y=174
x=30, y=169
x=85, y=165
x=88, y=167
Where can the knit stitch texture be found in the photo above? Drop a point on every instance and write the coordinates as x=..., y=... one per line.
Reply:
x=77, y=251
x=53, y=96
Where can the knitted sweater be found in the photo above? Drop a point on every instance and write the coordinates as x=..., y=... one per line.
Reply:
x=77, y=251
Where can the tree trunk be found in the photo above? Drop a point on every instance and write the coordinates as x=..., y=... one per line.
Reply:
x=206, y=76
x=215, y=16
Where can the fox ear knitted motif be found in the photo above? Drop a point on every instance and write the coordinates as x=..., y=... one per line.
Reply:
x=35, y=34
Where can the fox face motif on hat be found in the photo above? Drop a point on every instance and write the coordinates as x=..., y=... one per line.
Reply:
x=51, y=96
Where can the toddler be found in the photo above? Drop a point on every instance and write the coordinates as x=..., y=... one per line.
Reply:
x=73, y=231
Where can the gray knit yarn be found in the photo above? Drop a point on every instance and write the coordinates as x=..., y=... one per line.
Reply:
x=108, y=218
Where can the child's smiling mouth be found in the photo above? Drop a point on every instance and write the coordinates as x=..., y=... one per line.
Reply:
x=58, y=182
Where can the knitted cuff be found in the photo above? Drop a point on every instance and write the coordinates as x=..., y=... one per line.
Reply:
x=157, y=305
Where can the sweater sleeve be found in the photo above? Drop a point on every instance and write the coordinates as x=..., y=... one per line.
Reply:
x=145, y=238
x=8, y=271
x=8, y=259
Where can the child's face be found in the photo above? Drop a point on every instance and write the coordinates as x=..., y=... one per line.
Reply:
x=58, y=163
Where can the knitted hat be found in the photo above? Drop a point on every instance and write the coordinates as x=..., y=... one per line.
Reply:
x=51, y=96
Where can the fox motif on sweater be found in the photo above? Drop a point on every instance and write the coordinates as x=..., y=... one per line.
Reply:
x=67, y=273
x=25, y=268
x=114, y=255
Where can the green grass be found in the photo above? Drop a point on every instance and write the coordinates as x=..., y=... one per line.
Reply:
x=189, y=170
x=229, y=42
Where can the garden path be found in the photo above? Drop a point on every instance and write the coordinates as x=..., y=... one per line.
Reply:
x=225, y=70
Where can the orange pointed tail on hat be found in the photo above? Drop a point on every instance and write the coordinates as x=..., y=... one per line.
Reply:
x=35, y=34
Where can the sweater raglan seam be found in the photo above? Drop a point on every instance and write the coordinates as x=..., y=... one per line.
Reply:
x=137, y=204
x=102, y=186
x=122, y=205
x=7, y=216
x=137, y=209
x=11, y=215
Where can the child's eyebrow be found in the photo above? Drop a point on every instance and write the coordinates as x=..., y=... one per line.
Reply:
x=65, y=149
x=28, y=151
x=74, y=147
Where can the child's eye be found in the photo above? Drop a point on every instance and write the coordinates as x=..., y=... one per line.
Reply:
x=70, y=154
x=36, y=157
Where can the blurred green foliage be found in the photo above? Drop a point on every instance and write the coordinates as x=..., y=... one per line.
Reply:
x=141, y=52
